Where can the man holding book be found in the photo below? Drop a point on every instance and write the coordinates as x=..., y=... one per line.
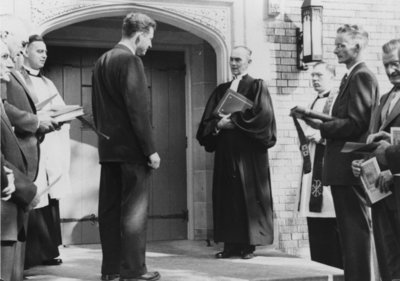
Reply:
x=315, y=199
x=44, y=230
x=240, y=136
x=352, y=109
x=386, y=212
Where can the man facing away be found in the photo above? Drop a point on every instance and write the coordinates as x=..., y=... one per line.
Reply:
x=357, y=97
x=316, y=201
x=386, y=213
x=121, y=111
x=242, y=201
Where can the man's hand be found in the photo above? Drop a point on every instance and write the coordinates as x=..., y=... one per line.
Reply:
x=313, y=123
x=382, y=135
x=356, y=167
x=154, y=161
x=379, y=152
x=225, y=122
x=384, y=181
x=47, y=123
x=10, y=189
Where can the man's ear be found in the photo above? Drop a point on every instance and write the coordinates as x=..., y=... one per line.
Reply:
x=250, y=61
x=136, y=38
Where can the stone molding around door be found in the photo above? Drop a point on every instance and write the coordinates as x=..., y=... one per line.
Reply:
x=210, y=20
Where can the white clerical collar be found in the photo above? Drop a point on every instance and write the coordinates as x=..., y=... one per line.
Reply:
x=240, y=76
x=31, y=71
x=351, y=68
x=128, y=46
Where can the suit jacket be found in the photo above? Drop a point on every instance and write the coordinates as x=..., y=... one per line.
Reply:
x=392, y=120
x=352, y=111
x=121, y=101
x=12, y=211
x=21, y=111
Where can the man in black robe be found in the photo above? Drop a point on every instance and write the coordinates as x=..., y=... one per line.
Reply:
x=242, y=200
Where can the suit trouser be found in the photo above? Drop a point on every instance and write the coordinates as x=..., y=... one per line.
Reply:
x=323, y=235
x=386, y=225
x=8, y=253
x=123, y=204
x=354, y=231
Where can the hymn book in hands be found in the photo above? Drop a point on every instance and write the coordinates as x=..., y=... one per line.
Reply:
x=369, y=174
x=232, y=102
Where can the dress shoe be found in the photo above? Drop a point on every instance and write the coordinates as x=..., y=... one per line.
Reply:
x=224, y=255
x=108, y=277
x=149, y=276
x=247, y=255
x=52, y=262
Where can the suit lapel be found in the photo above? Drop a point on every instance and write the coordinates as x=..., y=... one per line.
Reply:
x=376, y=119
x=30, y=95
x=350, y=76
x=393, y=114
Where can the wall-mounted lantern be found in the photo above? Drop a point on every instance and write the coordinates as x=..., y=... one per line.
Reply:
x=309, y=41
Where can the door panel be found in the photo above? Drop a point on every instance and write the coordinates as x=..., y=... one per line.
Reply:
x=71, y=71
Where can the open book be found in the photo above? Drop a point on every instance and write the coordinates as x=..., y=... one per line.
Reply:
x=301, y=112
x=369, y=174
x=232, y=102
x=65, y=113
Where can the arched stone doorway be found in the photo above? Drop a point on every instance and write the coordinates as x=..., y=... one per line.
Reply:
x=202, y=75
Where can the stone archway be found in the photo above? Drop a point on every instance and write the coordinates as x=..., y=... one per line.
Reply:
x=211, y=23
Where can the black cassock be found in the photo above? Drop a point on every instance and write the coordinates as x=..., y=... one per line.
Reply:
x=242, y=200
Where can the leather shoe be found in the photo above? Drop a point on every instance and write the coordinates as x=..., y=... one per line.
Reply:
x=52, y=262
x=247, y=255
x=108, y=277
x=149, y=276
x=223, y=255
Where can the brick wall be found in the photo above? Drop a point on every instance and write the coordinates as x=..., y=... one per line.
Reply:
x=290, y=87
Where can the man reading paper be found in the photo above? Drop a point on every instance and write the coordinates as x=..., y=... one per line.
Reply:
x=242, y=201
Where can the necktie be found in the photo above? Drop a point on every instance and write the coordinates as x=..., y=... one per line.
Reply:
x=343, y=83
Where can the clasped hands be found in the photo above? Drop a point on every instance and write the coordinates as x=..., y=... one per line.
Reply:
x=225, y=122
x=385, y=179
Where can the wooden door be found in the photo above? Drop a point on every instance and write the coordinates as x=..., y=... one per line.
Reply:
x=71, y=70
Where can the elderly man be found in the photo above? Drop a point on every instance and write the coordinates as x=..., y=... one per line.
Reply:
x=121, y=110
x=386, y=213
x=242, y=201
x=352, y=110
x=18, y=190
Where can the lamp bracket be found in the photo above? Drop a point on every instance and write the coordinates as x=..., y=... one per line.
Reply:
x=299, y=47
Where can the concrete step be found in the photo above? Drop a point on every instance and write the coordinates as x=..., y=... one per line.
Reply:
x=191, y=261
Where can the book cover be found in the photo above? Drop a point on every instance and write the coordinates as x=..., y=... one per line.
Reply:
x=369, y=174
x=232, y=102
x=301, y=112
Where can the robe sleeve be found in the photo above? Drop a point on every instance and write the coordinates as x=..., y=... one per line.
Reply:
x=206, y=131
x=258, y=122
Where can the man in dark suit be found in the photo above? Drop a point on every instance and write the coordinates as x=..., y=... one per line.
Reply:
x=385, y=213
x=242, y=198
x=15, y=204
x=121, y=110
x=358, y=95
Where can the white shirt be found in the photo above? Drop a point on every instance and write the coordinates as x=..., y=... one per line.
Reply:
x=235, y=82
